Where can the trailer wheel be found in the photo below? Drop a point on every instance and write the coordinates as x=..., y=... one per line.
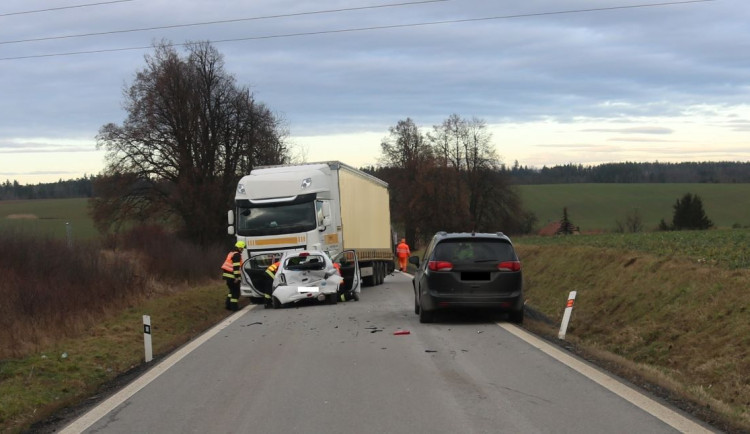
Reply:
x=376, y=273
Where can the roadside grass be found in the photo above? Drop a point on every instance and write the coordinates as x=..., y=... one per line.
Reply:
x=678, y=322
x=71, y=318
x=70, y=371
x=596, y=207
x=48, y=217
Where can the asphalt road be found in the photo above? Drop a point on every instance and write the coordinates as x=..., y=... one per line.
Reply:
x=341, y=369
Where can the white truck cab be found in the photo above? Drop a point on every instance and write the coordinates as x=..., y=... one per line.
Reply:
x=327, y=207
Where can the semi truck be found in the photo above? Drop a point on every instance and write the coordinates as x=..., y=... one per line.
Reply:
x=326, y=206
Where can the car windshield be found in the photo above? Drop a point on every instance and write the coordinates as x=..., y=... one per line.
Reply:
x=473, y=251
x=257, y=220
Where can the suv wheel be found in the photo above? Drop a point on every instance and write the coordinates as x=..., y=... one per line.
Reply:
x=516, y=316
x=426, y=316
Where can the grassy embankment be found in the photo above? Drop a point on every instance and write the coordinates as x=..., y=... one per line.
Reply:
x=668, y=309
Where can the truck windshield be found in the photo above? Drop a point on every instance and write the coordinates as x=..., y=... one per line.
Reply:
x=259, y=220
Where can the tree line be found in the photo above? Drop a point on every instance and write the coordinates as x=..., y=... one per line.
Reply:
x=632, y=172
x=62, y=189
x=628, y=172
x=448, y=178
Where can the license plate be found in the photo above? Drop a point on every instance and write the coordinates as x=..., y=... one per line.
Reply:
x=308, y=289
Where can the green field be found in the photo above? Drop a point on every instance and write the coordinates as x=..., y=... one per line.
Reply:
x=48, y=217
x=592, y=207
x=596, y=207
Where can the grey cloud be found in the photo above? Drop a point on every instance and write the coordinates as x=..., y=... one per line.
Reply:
x=608, y=64
x=640, y=139
x=9, y=147
x=37, y=172
x=637, y=130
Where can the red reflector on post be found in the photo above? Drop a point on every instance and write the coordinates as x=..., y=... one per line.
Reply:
x=440, y=266
x=509, y=266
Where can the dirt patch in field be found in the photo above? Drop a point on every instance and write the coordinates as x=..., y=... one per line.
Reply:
x=22, y=216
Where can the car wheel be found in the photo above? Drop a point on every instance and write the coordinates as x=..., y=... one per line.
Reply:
x=516, y=316
x=332, y=298
x=416, y=305
x=276, y=303
x=355, y=296
x=426, y=316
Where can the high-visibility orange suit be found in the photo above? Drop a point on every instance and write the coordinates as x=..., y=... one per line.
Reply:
x=403, y=252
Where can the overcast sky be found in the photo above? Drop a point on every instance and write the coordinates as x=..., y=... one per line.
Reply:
x=557, y=81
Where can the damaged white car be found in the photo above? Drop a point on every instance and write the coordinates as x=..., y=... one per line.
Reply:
x=306, y=275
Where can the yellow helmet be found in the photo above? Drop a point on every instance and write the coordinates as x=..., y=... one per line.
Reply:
x=240, y=244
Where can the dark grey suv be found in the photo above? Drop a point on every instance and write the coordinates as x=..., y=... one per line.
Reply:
x=468, y=270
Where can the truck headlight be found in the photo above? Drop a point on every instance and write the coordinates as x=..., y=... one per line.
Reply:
x=241, y=188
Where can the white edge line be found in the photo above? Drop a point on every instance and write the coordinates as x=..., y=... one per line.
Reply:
x=661, y=412
x=88, y=419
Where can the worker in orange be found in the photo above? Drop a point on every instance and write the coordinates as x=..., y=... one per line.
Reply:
x=403, y=252
x=230, y=270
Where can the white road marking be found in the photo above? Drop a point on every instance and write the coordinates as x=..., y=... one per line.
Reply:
x=101, y=410
x=666, y=415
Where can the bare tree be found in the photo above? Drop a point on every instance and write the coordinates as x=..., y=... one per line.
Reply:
x=466, y=147
x=406, y=151
x=190, y=133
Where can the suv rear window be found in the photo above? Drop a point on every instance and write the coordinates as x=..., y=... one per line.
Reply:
x=473, y=250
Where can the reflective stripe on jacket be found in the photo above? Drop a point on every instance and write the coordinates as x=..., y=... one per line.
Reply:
x=402, y=250
x=231, y=266
x=271, y=270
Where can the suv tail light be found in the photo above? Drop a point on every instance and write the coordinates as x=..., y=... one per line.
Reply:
x=440, y=266
x=509, y=266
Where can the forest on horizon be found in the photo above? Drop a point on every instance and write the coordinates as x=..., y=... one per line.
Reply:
x=616, y=173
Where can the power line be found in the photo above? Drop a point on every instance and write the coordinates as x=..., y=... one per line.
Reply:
x=235, y=20
x=63, y=7
x=362, y=29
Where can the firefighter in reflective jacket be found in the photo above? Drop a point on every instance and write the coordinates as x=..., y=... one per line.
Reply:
x=231, y=273
x=271, y=272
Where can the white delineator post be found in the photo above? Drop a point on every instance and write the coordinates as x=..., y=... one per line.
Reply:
x=566, y=315
x=147, y=337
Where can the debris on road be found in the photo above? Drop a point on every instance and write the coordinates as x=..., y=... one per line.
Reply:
x=401, y=332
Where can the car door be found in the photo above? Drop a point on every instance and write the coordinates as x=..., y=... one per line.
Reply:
x=254, y=273
x=348, y=266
